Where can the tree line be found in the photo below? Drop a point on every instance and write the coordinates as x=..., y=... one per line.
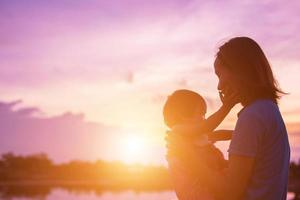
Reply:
x=39, y=168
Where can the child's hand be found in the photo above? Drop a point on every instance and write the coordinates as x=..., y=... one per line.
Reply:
x=229, y=99
x=220, y=135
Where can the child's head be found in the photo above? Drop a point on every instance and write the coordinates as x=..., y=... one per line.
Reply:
x=182, y=106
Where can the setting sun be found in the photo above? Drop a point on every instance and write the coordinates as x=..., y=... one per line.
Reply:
x=133, y=148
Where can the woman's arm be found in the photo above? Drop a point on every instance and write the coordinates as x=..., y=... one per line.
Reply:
x=232, y=182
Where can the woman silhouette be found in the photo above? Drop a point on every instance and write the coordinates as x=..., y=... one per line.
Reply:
x=259, y=151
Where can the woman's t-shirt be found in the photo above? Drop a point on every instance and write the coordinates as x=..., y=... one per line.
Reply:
x=260, y=132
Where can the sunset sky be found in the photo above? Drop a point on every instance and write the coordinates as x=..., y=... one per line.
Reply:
x=87, y=79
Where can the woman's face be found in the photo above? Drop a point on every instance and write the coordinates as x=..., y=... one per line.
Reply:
x=226, y=83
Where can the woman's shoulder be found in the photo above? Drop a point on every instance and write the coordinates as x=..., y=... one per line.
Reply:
x=260, y=107
x=262, y=112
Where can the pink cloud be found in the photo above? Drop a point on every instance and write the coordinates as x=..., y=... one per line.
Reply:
x=49, y=42
x=64, y=137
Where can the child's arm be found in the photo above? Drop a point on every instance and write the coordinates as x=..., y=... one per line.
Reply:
x=207, y=125
x=213, y=121
x=220, y=135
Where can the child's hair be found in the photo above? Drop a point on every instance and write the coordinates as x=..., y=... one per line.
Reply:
x=182, y=104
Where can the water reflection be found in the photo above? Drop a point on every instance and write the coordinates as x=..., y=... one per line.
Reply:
x=125, y=195
x=45, y=193
x=57, y=193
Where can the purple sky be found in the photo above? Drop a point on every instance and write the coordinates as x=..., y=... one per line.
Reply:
x=116, y=61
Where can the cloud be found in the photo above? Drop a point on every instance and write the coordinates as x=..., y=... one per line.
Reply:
x=66, y=41
x=294, y=111
x=129, y=78
x=63, y=137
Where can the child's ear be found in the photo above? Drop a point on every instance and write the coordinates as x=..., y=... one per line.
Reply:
x=183, y=119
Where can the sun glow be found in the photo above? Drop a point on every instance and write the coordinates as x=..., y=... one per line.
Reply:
x=134, y=148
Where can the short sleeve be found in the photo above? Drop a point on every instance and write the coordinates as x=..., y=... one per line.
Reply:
x=246, y=138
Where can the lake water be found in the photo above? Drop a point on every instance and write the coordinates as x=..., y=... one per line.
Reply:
x=61, y=194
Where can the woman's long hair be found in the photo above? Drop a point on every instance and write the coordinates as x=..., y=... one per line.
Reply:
x=243, y=57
